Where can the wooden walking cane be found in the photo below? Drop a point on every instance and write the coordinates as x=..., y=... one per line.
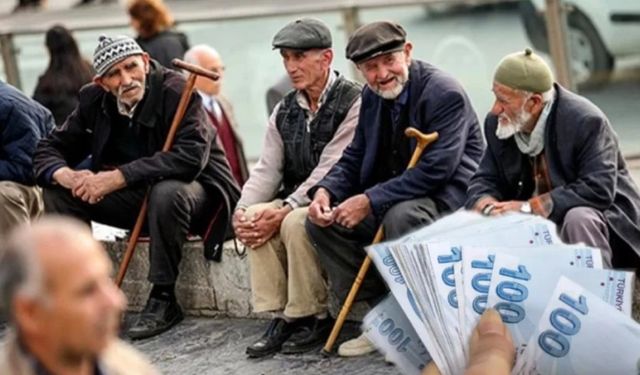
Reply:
x=177, y=118
x=422, y=141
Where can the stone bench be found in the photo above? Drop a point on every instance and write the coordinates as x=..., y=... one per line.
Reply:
x=204, y=288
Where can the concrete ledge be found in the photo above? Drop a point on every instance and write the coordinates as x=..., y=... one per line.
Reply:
x=204, y=288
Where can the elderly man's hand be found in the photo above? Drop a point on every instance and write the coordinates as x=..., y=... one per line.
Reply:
x=68, y=178
x=242, y=227
x=505, y=207
x=352, y=211
x=260, y=228
x=93, y=188
x=491, y=348
x=320, y=212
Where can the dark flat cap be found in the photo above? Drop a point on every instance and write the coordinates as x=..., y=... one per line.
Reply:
x=374, y=39
x=305, y=33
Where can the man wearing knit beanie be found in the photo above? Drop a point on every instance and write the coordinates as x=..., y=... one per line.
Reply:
x=116, y=133
x=553, y=153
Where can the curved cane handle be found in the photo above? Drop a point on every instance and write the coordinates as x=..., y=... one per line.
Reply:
x=422, y=141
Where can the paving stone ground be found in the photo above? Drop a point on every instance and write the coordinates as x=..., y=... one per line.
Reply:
x=217, y=346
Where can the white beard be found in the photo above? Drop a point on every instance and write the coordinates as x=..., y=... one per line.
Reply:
x=511, y=127
x=505, y=131
x=394, y=92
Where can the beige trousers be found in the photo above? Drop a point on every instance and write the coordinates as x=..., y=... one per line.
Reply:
x=18, y=204
x=285, y=271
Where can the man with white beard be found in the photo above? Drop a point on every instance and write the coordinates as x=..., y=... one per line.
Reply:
x=553, y=153
x=370, y=185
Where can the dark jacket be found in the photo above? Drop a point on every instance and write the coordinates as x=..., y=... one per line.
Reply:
x=23, y=122
x=165, y=46
x=585, y=166
x=195, y=154
x=437, y=102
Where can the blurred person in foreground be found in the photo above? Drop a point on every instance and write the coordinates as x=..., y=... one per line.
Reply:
x=553, y=153
x=57, y=88
x=122, y=121
x=307, y=132
x=23, y=123
x=370, y=185
x=63, y=307
x=153, y=23
x=219, y=108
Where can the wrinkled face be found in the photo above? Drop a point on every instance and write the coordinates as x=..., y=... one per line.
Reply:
x=126, y=79
x=82, y=308
x=213, y=63
x=387, y=74
x=511, y=108
x=307, y=69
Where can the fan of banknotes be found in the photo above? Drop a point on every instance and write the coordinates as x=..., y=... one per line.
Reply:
x=567, y=315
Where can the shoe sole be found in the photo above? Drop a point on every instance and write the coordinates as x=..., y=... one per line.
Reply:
x=301, y=349
x=257, y=354
x=146, y=335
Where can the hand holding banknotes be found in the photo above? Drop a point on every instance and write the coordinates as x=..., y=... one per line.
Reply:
x=492, y=350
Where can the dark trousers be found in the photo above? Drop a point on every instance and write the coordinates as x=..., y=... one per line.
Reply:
x=341, y=250
x=174, y=208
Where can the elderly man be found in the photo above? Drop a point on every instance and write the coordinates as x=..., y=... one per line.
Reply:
x=553, y=153
x=219, y=109
x=369, y=185
x=307, y=133
x=122, y=121
x=23, y=122
x=64, y=322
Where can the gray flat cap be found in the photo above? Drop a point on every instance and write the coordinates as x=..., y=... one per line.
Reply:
x=374, y=39
x=303, y=34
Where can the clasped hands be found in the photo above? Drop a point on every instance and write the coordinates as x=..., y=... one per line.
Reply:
x=261, y=227
x=348, y=213
x=88, y=186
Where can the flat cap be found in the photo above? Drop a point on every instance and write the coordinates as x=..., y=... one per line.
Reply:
x=303, y=34
x=374, y=39
x=524, y=71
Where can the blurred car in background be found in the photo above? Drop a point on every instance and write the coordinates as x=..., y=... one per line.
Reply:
x=600, y=31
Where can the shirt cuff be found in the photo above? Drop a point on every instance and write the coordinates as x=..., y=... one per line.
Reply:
x=48, y=174
x=291, y=202
x=542, y=205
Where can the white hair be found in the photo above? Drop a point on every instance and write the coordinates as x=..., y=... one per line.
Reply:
x=20, y=269
x=20, y=272
x=191, y=56
x=546, y=96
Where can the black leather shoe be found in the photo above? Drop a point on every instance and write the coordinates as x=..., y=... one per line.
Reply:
x=277, y=332
x=308, y=336
x=157, y=317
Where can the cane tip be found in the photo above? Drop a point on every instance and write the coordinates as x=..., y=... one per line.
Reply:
x=325, y=353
